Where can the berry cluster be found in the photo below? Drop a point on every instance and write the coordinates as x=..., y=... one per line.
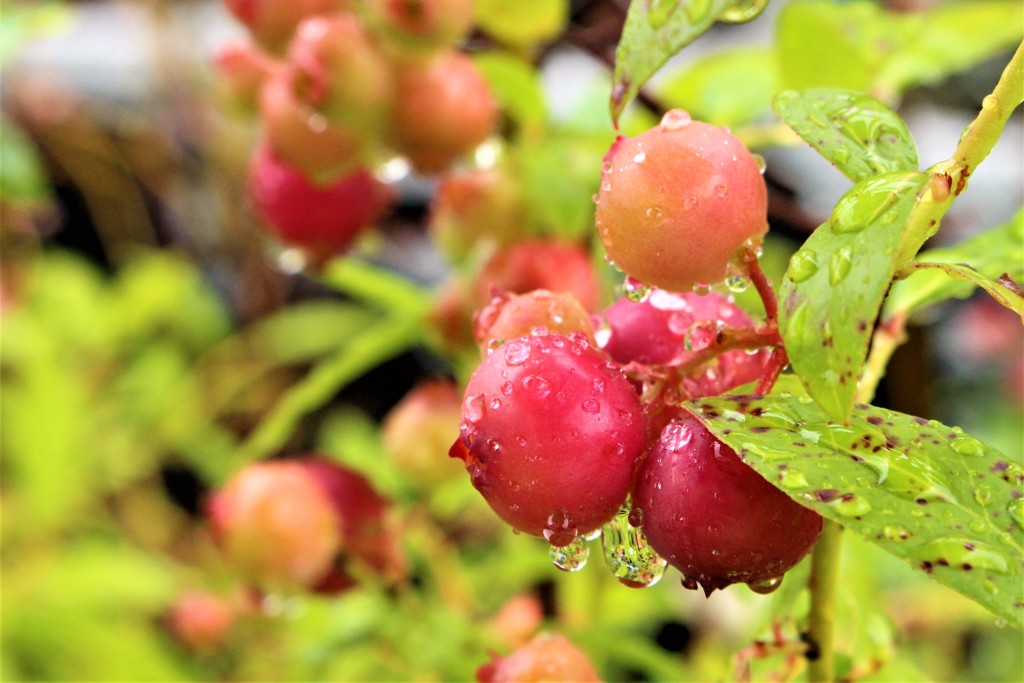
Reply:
x=575, y=425
x=340, y=86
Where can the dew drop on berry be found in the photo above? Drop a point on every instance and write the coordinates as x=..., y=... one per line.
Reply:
x=495, y=403
x=572, y=557
x=675, y=436
x=473, y=408
x=536, y=386
x=639, y=157
x=761, y=163
x=591, y=406
x=506, y=388
x=691, y=202
x=701, y=289
x=560, y=530
x=675, y=119
x=628, y=556
x=766, y=586
x=737, y=283
x=635, y=290
x=636, y=517
x=721, y=190
x=517, y=352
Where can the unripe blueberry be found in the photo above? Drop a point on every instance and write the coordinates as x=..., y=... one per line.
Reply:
x=509, y=316
x=276, y=526
x=544, y=658
x=551, y=431
x=714, y=518
x=678, y=201
x=303, y=137
x=418, y=28
x=444, y=109
x=541, y=264
x=272, y=22
x=417, y=432
x=341, y=73
x=323, y=220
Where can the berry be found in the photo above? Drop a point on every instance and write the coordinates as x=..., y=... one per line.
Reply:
x=678, y=201
x=242, y=69
x=303, y=137
x=444, y=109
x=544, y=658
x=201, y=621
x=551, y=431
x=670, y=328
x=541, y=264
x=508, y=316
x=322, y=220
x=417, y=432
x=714, y=518
x=272, y=22
x=276, y=526
x=473, y=206
x=418, y=28
x=341, y=73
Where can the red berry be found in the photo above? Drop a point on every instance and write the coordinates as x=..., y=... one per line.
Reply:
x=201, y=621
x=417, y=432
x=714, y=518
x=544, y=658
x=508, y=316
x=474, y=206
x=417, y=28
x=541, y=264
x=677, y=202
x=550, y=433
x=444, y=109
x=275, y=525
x=242, y=69
x=323, y=220
x=670, y=328
x=272, y=22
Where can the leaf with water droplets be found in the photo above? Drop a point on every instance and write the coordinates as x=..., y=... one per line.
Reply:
x=654, y=32
x=907, y=484
x=991, y=254
x=1006, y=291
x=861, y=136
x=829, y=301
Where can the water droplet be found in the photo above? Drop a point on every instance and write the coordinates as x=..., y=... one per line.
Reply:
x=635, y=290
x=506, y=388
x=591, y=406
x=796, y=325
x=968, y=446
x=559, y=529
x=691, y=203
x=655, y=213
x=737, y=283
x=872, y=199
x=702, y=334
x=851, y=505
x=841, y=155
x=660, y=11
x=766, y=586
x=742, y=12
x=495, y=403
x=895, y=533
x=517, y=352
x=536, y=386
x=839, y=265
x=762, y=165
x=675, y=436
x=572, y=557
x=793, y=480
x=721, y=190
x=636, y=517
x=627, y=554
x=639, y=157
x=983, y=494
x=1016, y=511
x=701, y=289
x=802, y=265
x=473, y=408
x=877, y=463
x=675, y=119
x=960, y=551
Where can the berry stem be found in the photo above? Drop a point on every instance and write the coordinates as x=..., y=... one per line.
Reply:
x=778, y=360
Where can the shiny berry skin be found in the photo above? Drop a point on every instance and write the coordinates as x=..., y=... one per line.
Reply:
x=277, y=528
x=508, y=316
x=444, y=109
x=551, y=431
x=714, y=518
x=544, y=658
x=654, y=332
x=324, y=220
x=677, y=202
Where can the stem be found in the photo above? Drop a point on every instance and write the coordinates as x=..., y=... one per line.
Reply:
x=948, y=181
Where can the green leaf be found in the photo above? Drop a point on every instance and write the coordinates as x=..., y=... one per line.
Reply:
x=857, y=133
x=22, y=179
x=990, y=254
x=307, y=330
x=516, y=85
x=655, y=31
x=729, y=88
x=377, y=287
x=522, y=24
x=1005, y=290
x=835, y=284
x=930, y=494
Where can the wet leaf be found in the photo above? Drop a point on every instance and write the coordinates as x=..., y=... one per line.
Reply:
x=654, y=32
x=860, y=136
x=1006, y=290
x=930, y=494
x=990, y=255
x=835, y=284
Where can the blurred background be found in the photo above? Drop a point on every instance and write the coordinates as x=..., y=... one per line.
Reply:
x=154, y=338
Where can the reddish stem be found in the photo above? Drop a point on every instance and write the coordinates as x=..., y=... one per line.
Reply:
x=778, y=359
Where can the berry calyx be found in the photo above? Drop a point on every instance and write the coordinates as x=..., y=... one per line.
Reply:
x=714, y=518
x=551, y=431
x=678, y=201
